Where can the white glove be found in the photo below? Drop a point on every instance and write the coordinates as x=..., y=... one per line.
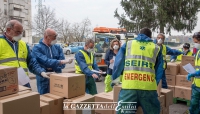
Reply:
x=172, y=60
x=67, y=61
x=46, y=74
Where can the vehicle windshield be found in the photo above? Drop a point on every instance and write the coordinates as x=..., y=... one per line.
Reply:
x=102, y=42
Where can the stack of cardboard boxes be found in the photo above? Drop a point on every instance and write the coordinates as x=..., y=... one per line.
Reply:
x=66, y=90
x=177, y=78
x=16, y=99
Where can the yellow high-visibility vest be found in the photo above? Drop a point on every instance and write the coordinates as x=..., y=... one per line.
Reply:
x=196, y=80
x=179, y=58
x=89, y=62
x=139, y=72
x=8, y=56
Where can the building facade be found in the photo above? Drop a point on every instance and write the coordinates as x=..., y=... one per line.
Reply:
x=21, y=11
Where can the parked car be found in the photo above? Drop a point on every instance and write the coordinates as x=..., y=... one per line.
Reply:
x=74, y=48
x=67, y=50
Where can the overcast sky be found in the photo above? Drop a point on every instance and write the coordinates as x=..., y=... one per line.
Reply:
x=100, y=12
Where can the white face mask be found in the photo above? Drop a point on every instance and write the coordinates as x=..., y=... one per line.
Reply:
x=17, y=38
x=90, y=50
x=53, y=42
x=196, y=45
x=160, y=41
x=115, y=47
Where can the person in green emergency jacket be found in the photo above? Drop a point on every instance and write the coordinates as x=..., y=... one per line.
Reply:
x=109, y=59
x=195, y=97
x=142, y=64
x=85, y=63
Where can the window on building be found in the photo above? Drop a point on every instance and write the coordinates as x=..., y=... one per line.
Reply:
x=20, y=20
x=26, y=11
x=17, y=9
x=24, y=33
x=5, y=9
x=26, y=23
x=5, y=0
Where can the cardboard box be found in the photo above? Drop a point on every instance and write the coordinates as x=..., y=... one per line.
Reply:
x=104, y=97
x=23, y=88
x=55, y=103
x=168, y=96
x=172, y=69
x=183, y=92
x=44, y=108
x=188, y=59
x=181, y=80
x=172, y=88
x=8, y=80
x=116, y=91
x=27, y=103
x=76, y=101
x=67, y=85
x=162, y=105
x=182, y=70
x=171, y=79
x=166, y=110
x=159, y=88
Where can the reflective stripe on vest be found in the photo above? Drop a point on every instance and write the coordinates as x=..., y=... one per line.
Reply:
x=179, y=58
x=89, y=62
x=139, y=70
x=164, y=53
x=197, y=64
x=8, y=56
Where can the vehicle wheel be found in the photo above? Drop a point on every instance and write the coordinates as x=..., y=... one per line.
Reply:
x=67, y=52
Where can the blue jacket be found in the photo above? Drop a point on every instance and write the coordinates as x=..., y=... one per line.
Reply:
x=32, y=64
x=49, y=57
x=170, y=51
x=80, y=59
x=108, y=57
x=120, y=60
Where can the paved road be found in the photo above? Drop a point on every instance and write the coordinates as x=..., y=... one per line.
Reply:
x=179, y=108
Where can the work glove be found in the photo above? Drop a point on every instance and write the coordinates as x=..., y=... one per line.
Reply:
x=46, y=74
x=190, y=75
x=66, y=61
x=95, y=76
x=172, y=60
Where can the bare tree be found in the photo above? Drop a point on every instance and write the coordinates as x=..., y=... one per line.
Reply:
x=45, y=19
x=3, y=20
x=65, y=31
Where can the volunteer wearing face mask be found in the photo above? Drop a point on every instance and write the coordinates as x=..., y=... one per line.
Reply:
x=50, y=56
x=109, y=59
x=165, y=51
x=195, y=97
x=84, y=63
x=185, y=50
x=15, y=52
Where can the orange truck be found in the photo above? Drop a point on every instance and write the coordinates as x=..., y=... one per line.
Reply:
x=102, y=37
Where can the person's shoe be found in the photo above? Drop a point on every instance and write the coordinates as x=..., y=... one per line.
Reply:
x=98, y=80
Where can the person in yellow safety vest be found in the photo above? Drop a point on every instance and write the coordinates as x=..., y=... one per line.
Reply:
x=195, y=97
x=109, y=60
x=85, y=63
x=142, y=62
x=16, y=53
x=185, y=50
x=165, y=51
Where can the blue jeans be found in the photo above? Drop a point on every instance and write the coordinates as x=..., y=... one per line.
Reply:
x=27, y=85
